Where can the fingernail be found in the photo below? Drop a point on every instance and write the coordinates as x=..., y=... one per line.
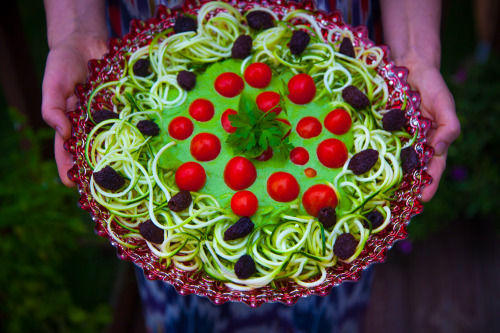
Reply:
x=440, y=148
x=60, y=131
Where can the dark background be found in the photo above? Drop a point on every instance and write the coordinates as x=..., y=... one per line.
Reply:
x=57, y=276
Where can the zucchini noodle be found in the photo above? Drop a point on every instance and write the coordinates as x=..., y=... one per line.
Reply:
x=289, y=246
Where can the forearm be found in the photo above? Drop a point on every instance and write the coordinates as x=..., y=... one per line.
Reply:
x=412, y=30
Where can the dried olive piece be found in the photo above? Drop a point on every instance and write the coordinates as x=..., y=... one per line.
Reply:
x=180, y=201
x=186, y=80
x=394, y=120
x=345, y=246
x=260, y=20
x=102, y=115
x=148, y=127
x=355, y=97
x=150, y=232
x=141, y=67
x=327, y=217
x=346, y=48
x=363, y=161
x=375, y=218
x=409, y=159
x=242, y=47
x=244, y=226
x=184, y=24
x=108, y=178
x=244, y=267
x=299, y=41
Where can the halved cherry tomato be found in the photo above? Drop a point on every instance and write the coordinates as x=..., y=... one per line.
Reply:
x=201, y=110
x=229, y=84
x=310, y=173
x=205, y=147
x=332, y=153
x=338, y=121
x=190, y=176
x=266, y=155
x=244, y=203
x=282, y=187
x=180, y=128
x=299, y=156
x=317, y=197
x=301, y=89
x=226, y=123
x=309, y=127
x=269, y=101
x=239, y=173
x=258, y=75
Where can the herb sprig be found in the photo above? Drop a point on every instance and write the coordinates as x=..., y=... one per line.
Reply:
x=257, y=130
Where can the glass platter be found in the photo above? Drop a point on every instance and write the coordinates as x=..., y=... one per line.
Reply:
x=407, y=202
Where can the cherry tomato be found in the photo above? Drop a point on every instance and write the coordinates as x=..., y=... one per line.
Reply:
x=258, y=75
x=201, y=109
x=229, y=84
x=226, y=123
x=299, y=156
x=268, y=101
x=282, y=187
x=317, y=197
x=310, y=173
x=239, y=173
x=309, y=127
x=205, y=147
x=338, y=121
x=244, y=203
x=332, y=153
x=266, y=155
x=180, y=128
x=190, y=176
x=301, y=88
x=286, y=122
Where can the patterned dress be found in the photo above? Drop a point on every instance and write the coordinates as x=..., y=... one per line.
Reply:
x=166, y=311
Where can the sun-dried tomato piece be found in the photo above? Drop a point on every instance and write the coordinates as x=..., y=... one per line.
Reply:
x=363, y=161
x=327, y=217
x=108, y=178
x=355, y=97
x=150, y=232
x=345, y=246
x=244, y=226
x=245, y=267
x=242, y=47
x=180, y=201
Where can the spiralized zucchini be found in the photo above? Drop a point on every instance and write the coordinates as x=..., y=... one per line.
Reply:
x=290, y=246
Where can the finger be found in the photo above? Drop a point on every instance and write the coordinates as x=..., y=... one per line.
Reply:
x=435, y=169
x=64, y=160
x=448, y=125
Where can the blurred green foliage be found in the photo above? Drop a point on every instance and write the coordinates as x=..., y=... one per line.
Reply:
x=470, y=184
x=52, y=279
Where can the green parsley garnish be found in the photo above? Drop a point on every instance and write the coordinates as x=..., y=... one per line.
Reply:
x=257, y=130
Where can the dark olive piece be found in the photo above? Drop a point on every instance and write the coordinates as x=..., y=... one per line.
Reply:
x=260, y=20
x=346, y=48
x=150, y=232
x=180, y=201
x=299, y=41
x=345, y=246
x=186, y=80
x=244, y=226
x=363, y=161
x=141, y=67
x=184, y=24
x=242, y=47
x=108, y=178
x=245, y=267
x=148, y=127
x=355, y=97
x=394, y=120
x=327, y=217
x=102, y=115
x=375, y=218
x=409, y=159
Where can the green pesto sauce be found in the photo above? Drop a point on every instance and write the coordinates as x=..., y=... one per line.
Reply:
x=215, y=185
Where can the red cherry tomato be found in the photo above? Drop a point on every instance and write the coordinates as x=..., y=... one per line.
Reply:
x=239, y=173
x=229, y=84
x=299, y=156
x=282, y=187
x=301, y=88
x=201, y=110
x=266, y=155
x=286, y=122
x=190, y=176
x=338, y=121
x=226, y=123
x=180, y=128
x=258, y=75
x=310, y=173
x=205, y=147
x=332, y=153
x=317, y=197
x=268, y=101
x=309, y=127
x=244, y=203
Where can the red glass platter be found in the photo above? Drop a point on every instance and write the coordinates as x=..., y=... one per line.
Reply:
x=405, y=204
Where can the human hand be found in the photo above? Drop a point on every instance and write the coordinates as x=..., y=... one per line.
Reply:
x=438, y=106
x=65, y=68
